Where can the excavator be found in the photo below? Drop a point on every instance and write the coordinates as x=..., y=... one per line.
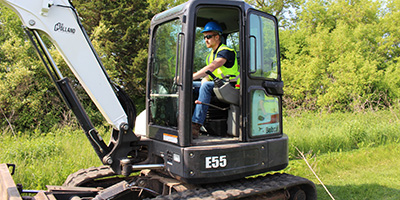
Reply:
x=153, y=155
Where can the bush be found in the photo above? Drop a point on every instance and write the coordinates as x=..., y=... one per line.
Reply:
x=335, y=132
x=342, y=56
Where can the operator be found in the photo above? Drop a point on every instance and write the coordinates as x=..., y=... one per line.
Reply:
x=222, y=62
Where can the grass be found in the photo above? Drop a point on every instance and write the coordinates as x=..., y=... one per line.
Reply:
x=47, y=159
x=354, y=154
x=366, y=173
x=324, y=133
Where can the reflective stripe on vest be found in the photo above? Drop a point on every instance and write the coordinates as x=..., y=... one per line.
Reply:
x=222, y=71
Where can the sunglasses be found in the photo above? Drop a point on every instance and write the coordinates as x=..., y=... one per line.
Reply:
x=209, y=36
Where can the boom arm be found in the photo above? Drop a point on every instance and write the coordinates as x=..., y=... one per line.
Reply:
x=59, y=21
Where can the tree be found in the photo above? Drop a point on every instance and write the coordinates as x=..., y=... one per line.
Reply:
x=330, y=59
x=283, y=10
x=119, y=32
x=28, y=99
x=389, y=48
x=157, y=6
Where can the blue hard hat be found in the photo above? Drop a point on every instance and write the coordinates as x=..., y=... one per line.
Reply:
x=212, y=26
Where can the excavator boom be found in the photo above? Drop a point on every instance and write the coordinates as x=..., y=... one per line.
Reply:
x=59, y=21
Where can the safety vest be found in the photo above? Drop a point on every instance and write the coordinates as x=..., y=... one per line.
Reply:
x=222, y=71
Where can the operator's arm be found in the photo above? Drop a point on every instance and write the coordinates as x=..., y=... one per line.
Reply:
x=218, y=62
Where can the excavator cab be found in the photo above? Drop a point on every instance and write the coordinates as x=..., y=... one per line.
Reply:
x=243, y=133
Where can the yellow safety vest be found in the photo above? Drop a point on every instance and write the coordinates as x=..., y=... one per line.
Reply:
x=222, y=71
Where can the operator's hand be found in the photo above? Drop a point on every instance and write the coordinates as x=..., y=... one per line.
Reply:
x=205, y=79
x=176, y=79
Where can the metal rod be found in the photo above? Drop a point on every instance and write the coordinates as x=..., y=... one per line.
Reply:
x=31, y=191
x=211, y=105
x=148, y=166
x=48, y=55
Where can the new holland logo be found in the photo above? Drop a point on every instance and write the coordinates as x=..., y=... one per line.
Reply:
x=60, y=27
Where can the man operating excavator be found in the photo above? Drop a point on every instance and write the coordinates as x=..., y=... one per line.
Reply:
x=222, y=62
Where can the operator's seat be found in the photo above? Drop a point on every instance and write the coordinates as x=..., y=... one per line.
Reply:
x=229, y=98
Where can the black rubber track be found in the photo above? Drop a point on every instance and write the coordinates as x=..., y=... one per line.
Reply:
x=84, y=176
x=246, y=188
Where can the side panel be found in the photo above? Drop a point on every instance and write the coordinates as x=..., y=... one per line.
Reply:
x=231, y=161
x=216, y=163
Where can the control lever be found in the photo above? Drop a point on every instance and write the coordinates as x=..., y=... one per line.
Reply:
x=207, y=104
x=218, y=82
x=224, y=91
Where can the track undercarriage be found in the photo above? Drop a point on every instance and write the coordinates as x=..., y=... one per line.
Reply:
x=101, y=183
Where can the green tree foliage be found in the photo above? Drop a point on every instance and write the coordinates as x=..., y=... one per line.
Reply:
x=27, y=96
x=282, y=9
x=118, y=30
x=335, y=59
x=157, y=6
x=389, y=48
x=337, y=55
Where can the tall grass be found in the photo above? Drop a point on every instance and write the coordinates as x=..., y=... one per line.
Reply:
x=47, y=159
x=335, y=132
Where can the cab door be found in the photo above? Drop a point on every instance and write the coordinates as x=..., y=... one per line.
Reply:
x=163, y=95
x=263, y=95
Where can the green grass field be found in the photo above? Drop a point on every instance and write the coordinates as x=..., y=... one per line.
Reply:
x=366, y=173
x=47, y=159
x=354, y=154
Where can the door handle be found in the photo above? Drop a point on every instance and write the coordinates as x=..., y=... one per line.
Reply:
x=273, y=87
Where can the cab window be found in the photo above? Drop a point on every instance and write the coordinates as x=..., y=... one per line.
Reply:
x=163, y=90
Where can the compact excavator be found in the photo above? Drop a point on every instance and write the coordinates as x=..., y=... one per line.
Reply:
x=154, y=155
